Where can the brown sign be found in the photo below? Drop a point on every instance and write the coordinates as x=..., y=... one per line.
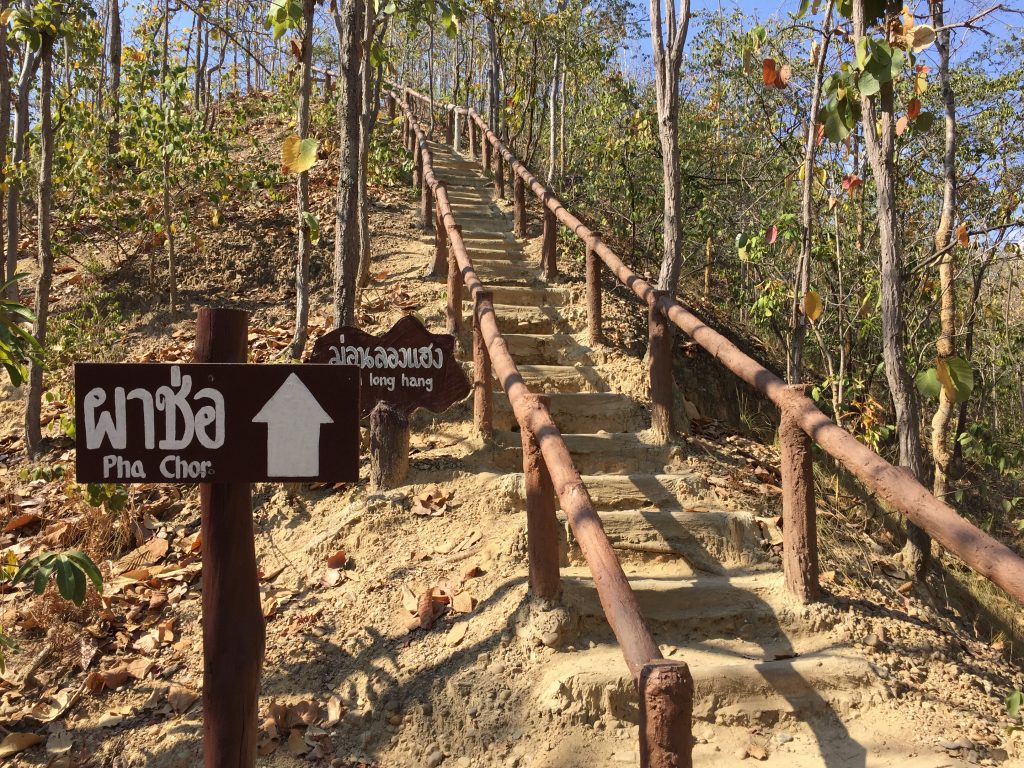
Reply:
x=191, y=423
x=408, y=366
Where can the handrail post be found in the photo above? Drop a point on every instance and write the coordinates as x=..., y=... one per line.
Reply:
x=449, y=126
x=541, y=523
x=666, y=714
x=485, y=152
x=519, y=202
x=453, y=314
x=417, y=160
x=799, y=513
x=471, y=126
x=499, y=174
x=391, y=106
x=483, y=395
x=456, y=130
x=660, y=349
x=549, y=258
x=426, y=204
x=594, y=333
x=440, y=266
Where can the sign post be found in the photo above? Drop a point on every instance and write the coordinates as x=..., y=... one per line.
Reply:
x=234, y=632
x=407, y=368
x=223, y=424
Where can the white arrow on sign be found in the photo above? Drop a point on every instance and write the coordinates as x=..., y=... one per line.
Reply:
x=293, y=418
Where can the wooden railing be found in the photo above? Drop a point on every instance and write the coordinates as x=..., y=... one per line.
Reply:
x=801, y=421
x=665, y=686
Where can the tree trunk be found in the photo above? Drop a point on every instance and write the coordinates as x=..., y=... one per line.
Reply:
x=305, y=245
x=29, y=65
x=881, y=156
x=668, y=58
x=33, y=405
x=389, y=447
x=803, y=271
x=114, y=126
x=369, y=108
x=349, y=24
x=172, y=277
x=5, y=116
x=945, y=347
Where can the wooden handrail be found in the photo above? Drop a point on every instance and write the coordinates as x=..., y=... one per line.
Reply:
x=616, y=596
x=664, y=686
x=894, y=485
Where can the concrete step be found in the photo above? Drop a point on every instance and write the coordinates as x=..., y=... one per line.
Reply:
x=592, y=454
x=710, y=541
x=822, y=685
x=510, y=273
x=582, y=412
x=531, y=296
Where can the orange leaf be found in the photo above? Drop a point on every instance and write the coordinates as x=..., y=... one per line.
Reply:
x=913, y=108
x=961, y=235
x=901, y=125
x=337, y=560
x=20, y=521
x=768, y=72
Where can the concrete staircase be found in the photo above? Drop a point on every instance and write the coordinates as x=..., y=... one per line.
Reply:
x=703, y=580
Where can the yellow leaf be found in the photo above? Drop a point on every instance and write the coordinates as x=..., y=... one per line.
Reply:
x=215, y=217
x=908, y=19
x=298, y=155
x=961, y=235
x=921, y=37
x=813, y=306
x=942, y=371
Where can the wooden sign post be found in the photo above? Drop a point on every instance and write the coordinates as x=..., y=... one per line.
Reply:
x=407, y=368
x=225, y=425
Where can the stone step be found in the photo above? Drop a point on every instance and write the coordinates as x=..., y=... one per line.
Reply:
x=711, y=541
x=530, y=296
x=581, y=412
x=510, y=272
x=821, y=686
x=739, y=608
x=514, y=318
x=557, y=378
x=547, y=349
x=592, y=454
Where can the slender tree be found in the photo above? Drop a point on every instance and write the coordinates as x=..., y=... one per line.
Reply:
x=26, y=78
x=33, y=406
x=305, y=245
x=667, y=41
x=114, y=56
x=880, y=111
x=349, y=23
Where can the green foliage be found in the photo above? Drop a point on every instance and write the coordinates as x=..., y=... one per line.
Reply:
x=1013, y=702
x=284, y=15
x=112, y=496
x=17, y=344
x=71, y=569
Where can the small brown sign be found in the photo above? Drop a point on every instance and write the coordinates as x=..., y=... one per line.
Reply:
x=408, y=366
x=193, y=423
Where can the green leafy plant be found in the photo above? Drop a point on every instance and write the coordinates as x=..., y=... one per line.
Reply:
x=17, y=344
x=72, y=570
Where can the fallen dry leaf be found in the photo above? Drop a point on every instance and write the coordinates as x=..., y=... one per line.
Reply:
x=97, y=682
x=181, y=698
x=471, y=572
x=331, y=578
x=462, y=602
x=425, y=611
x=20, y=521
x=296, y=743
x=334, y=710
x=18, y=742
x=338, y=559
x=59, y=741
x=457, y=633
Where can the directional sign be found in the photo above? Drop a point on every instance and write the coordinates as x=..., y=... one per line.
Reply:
x=193, y=423
x=408, y=366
